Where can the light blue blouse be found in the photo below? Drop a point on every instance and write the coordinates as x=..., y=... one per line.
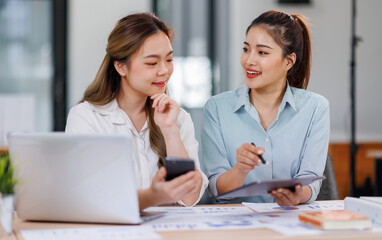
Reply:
x=296, y=144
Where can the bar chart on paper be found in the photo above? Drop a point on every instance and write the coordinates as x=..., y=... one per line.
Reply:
x=203, y=218
x=315, y=206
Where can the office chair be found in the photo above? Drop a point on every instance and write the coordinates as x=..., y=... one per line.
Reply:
x=329, y=190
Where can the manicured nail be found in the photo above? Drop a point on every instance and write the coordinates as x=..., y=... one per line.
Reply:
x=260, y=152
x=279, y=190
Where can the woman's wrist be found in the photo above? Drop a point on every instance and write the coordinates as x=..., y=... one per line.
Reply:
x=230, y=180
x=147, y=198
x=241, y=173
x=170, y=131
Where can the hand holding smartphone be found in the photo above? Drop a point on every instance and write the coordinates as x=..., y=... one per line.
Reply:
x=178, y=166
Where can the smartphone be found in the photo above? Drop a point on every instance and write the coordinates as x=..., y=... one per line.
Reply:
x=178, y=166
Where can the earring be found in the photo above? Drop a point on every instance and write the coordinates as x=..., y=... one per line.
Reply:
x=123, y=74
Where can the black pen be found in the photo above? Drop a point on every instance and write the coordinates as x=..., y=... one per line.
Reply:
x=260, y=156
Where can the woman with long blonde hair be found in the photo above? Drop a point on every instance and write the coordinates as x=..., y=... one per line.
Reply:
x=128, y=95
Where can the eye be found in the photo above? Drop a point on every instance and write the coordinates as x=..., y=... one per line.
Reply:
x=262, y=53
x=169, y=60
x=151, y=63
x=245, y=49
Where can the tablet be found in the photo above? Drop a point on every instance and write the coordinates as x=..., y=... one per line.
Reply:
x=263, y=187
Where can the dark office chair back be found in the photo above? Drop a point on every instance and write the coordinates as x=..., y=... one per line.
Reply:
x=329, y=190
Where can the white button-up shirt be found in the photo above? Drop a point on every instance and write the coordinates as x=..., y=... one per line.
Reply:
x=110, y=118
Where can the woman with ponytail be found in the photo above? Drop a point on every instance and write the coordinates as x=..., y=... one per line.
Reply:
x=128, y=95
x=288, y=124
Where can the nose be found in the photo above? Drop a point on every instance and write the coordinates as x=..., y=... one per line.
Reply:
x=251, y=58
x=163, y=68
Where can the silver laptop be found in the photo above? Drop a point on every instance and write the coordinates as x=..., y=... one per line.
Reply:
x=76, y=178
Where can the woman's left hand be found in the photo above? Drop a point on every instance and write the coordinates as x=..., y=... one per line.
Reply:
x=166, y=110
x=286, y=198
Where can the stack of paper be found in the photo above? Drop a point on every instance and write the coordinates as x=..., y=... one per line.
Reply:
x=367, y=206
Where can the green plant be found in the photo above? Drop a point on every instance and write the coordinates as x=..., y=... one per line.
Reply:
x=7, y=180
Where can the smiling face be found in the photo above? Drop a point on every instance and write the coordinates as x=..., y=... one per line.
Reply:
x=263, y=63
x=150, y=68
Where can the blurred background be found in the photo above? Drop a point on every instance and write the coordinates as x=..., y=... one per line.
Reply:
x=50, y=50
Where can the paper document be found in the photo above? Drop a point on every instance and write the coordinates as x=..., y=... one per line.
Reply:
x=284, y=220
x=315, y=206
x=377, y=200
x=203, y=218
x=366, y=207
x=104, y=233
x=294, y=228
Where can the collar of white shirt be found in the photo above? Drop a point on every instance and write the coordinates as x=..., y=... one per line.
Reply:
x=117, y=115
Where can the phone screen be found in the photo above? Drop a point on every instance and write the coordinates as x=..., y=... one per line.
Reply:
x=178, y=166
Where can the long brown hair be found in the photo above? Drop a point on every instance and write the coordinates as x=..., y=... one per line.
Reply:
x=291, y=33
x=126, y=38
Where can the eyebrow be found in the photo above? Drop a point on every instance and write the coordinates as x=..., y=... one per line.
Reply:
x=158, y=56
x=259, y=45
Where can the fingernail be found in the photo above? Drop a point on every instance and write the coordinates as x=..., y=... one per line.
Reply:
x=260, y=152
x=258, y=162
x=279, y=190
x=298, y=186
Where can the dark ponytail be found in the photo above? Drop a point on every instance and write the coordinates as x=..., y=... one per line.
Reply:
x=291, y=33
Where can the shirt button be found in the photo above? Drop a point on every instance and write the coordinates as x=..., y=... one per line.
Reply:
x=267, y=139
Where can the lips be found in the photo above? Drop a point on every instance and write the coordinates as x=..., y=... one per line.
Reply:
x=252, y=73
x=159, y=84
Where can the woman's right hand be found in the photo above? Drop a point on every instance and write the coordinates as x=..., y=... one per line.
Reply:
x=174, y=190
x=247, y=157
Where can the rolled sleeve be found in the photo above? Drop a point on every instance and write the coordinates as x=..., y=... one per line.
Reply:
x=316, y=148
x=214, y=154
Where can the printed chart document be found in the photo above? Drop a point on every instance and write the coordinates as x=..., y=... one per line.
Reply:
x=294, y=228
x=103, y=233
x=204, y=218
x=284, y=220
x=315, y=206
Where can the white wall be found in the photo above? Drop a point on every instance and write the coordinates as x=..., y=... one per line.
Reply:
x=330, y=76
x=90, y=23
